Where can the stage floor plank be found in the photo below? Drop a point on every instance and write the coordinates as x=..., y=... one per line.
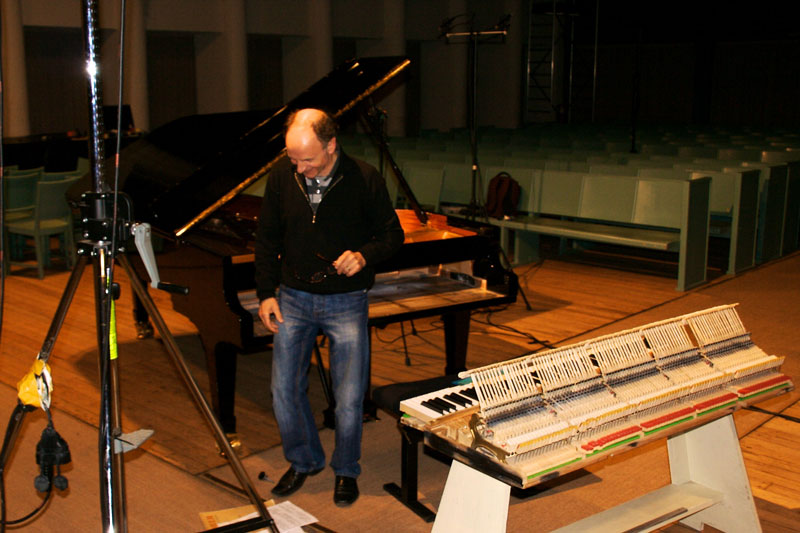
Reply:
x=569, y=300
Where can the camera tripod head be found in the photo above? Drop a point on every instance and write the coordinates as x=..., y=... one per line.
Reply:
x=98, y=223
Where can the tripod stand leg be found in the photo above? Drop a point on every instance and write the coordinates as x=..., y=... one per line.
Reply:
x=112, y=479
x=63, y=307
x=194, y=389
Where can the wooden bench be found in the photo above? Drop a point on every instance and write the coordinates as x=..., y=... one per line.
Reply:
x=772, y=198
x=734, y=205
x=650, y=213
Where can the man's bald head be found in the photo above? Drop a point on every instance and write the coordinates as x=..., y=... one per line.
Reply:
x=320, y=122
x=311, y=142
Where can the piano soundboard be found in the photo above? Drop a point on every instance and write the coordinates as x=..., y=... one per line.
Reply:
x=544, y=414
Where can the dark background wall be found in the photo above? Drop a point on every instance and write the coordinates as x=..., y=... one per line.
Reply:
x=701, y=62
x=727, y=63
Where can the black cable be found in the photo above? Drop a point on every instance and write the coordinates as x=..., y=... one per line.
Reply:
x=28, y=516
x=790, y=418
x=399, y=337
x=11, y=431
x=118, y=148
x=532, y=269
x=532, y=339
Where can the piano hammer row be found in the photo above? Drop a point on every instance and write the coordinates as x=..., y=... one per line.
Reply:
x=546, y=410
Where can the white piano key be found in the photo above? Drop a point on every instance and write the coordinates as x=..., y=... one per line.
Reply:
x=414, y=407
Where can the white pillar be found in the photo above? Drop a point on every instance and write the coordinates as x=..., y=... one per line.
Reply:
x=234, y=34
x=394, y=44
x=15, y=84
x=136, y=64
x=308, y=58
x=444, y=69
x=321, y=37
x=221, y=62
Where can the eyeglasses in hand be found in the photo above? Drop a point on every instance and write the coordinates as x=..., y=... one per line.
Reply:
x=320, y=276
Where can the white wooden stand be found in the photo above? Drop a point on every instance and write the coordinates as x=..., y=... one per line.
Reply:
x=709, y=486
x=472, y=501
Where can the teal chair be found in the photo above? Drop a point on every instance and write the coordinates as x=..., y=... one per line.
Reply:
x=55, y=176
x=20, y=194
x=20, y=198
x=52, y=217
x=16, y=171
x=84, y=166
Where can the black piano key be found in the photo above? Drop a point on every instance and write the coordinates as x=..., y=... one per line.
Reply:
x=432, y=405
x=470, y=393
x=453, y=398
x=456, y=398
x=469, y=400
x=447, y=406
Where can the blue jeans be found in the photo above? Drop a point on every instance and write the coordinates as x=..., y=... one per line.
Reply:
x=343, y=319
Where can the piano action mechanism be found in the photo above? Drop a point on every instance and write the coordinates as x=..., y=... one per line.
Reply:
x=545, y=414
x=531, y=419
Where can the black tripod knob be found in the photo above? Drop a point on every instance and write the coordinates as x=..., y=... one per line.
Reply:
x=60, y=482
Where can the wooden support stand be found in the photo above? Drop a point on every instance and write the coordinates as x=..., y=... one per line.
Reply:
x=472, y=501
x=709, y=486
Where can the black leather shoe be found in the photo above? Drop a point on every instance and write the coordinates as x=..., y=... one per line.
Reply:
x=345, y=491
x=291, y=481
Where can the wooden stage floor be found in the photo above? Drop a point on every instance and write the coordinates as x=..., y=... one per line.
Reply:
x=569, y=300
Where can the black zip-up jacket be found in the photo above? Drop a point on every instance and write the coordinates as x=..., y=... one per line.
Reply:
x=293, y=244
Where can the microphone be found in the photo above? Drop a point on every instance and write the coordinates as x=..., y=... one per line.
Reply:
x=504, y=23
x=446, y=26
x=51, y=451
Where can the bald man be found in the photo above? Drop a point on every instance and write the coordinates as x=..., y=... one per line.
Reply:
x=325, y=222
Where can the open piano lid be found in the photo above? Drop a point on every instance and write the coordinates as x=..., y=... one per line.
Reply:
x=187, y=169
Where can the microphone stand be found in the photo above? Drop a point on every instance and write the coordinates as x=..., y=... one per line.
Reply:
x=474, y=208
x=96, y=207
x=102, y=222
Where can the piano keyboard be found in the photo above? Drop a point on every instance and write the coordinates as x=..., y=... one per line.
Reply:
x=429, y=289
x=565, y=407
x=434, y=405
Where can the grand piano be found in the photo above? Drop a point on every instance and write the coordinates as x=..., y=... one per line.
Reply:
x=189, y=178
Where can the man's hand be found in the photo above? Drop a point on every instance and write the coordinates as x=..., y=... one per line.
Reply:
x=349, y=263
x=270, y=314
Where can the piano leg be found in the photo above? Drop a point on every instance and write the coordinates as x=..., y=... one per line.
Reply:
x=144, y=329
x=406, y=493
x=456, y=337
x=222, y=380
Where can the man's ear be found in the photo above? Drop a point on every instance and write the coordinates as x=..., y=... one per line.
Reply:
x=331, y=146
